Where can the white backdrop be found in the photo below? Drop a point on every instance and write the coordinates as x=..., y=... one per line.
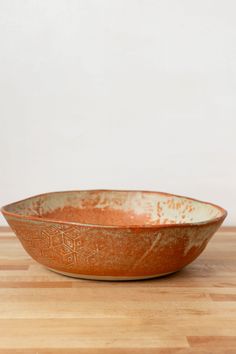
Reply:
x=118, y=94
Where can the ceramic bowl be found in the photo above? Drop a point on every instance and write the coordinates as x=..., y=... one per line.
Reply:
x=113, y=235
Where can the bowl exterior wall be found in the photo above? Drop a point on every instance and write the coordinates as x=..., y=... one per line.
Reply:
x=113, y=252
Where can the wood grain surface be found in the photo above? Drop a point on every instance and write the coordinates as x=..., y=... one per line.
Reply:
x=192, y=311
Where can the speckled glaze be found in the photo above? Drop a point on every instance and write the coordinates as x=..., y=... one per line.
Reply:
x=113, y=235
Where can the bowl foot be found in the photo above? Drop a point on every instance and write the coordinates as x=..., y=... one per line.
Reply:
x=107, y=277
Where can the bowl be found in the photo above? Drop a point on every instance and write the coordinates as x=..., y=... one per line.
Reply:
x=113, y=235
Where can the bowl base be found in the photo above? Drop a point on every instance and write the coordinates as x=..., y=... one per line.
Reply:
x=107, y=277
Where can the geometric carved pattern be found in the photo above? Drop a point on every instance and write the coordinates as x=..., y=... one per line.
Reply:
x=64, y=246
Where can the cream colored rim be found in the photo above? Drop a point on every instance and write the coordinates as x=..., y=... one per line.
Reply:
x=109, y=278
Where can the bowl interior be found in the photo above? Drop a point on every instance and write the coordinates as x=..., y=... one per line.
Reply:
x=116, y=208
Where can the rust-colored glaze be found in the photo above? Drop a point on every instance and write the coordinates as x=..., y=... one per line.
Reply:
x=97, y=216
x=113, y=234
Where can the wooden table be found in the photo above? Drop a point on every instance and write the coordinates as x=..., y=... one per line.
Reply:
x=193, y=311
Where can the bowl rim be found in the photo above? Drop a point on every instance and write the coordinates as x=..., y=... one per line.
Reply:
x=133, y=226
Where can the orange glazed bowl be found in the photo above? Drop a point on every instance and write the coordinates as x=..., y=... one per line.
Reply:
x=113, y=235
